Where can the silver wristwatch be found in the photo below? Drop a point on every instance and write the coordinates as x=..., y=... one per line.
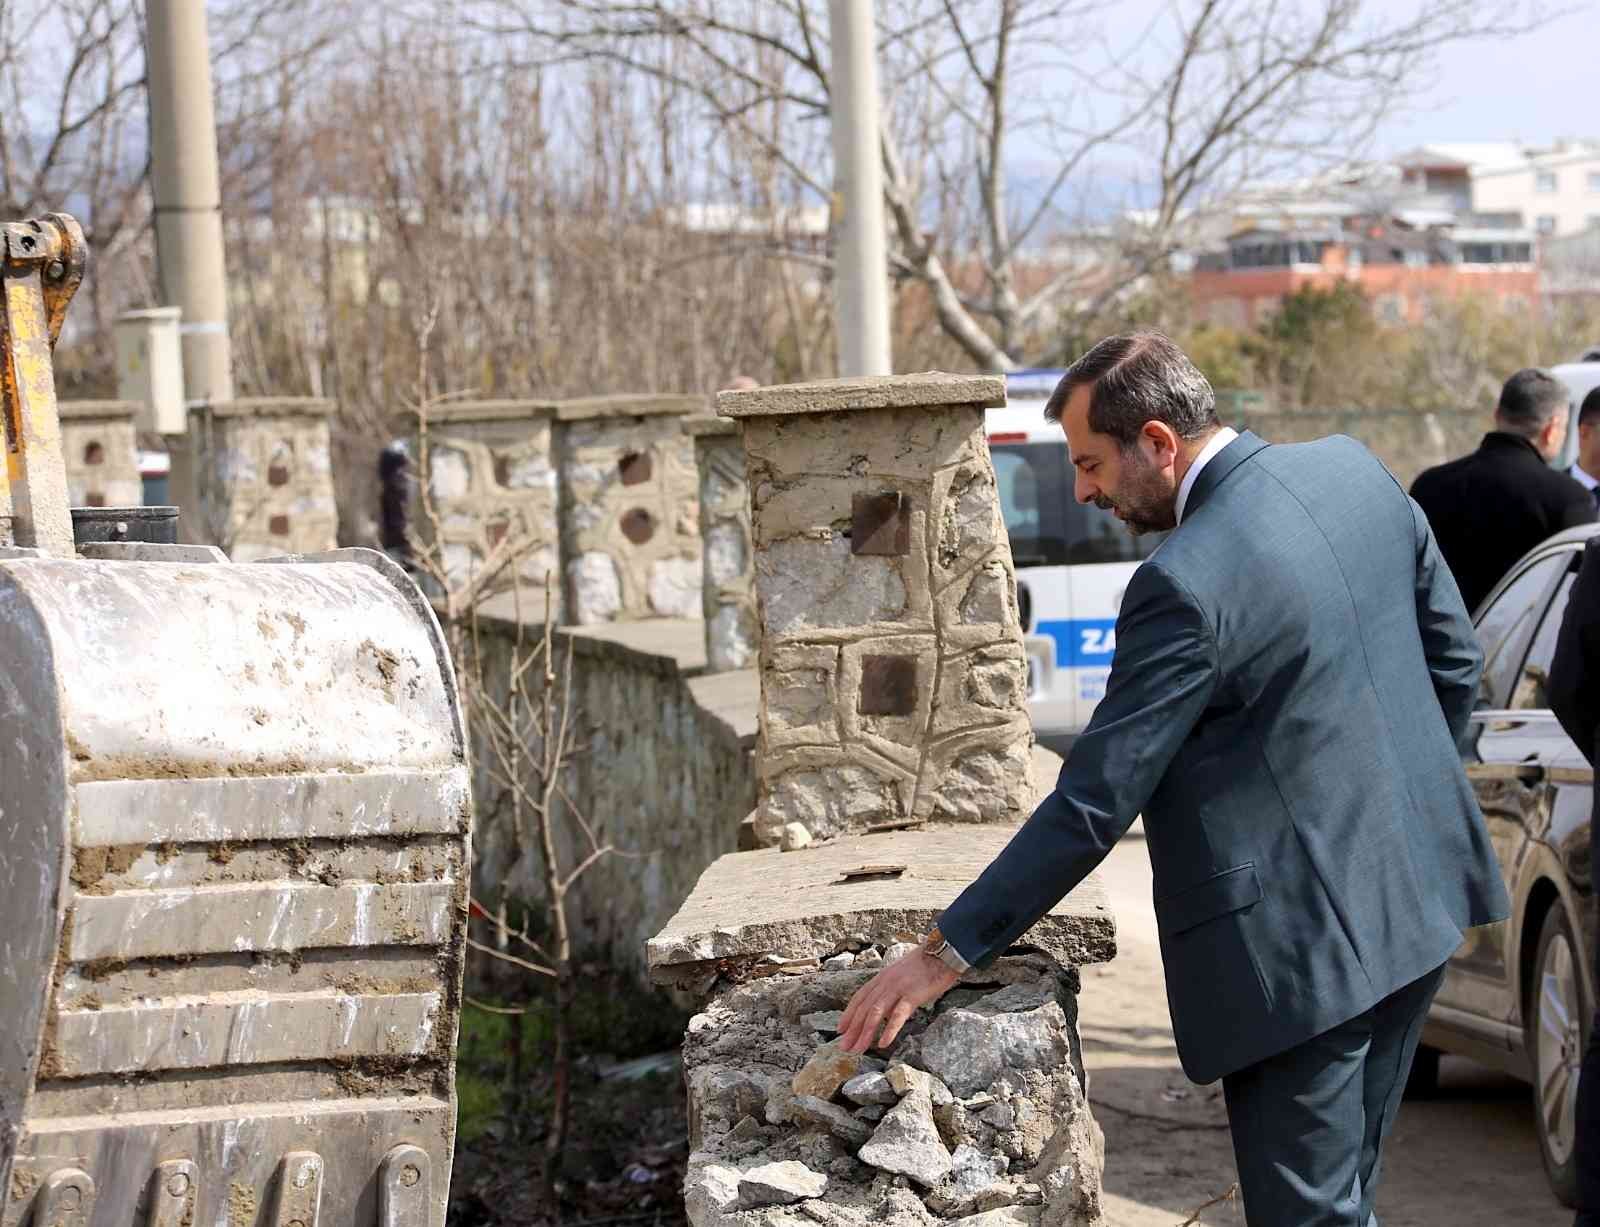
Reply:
x=936, y=946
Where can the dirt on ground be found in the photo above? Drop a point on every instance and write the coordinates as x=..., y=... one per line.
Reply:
x=1468, y=1158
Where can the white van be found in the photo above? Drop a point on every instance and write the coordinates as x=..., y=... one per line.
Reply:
x=1580, y=378
x=1073, y=561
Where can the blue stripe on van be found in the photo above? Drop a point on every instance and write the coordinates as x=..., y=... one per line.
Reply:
x=1082, y=643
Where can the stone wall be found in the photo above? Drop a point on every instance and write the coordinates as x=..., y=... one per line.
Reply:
x=492, y=485
x=733, y=629
x=263, y=477
x=1405, y=440
x=666, y=775
x=630, y=529
x=99, y=445
x=893, y=678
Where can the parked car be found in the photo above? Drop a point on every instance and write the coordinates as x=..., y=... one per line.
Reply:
x=1519, y=995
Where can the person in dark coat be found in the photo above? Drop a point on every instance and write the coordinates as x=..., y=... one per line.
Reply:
x=1575, y=699
x=1490, y=508
x=1294, y=668
x=394, y=501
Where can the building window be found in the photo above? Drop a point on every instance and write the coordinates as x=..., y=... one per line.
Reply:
x=1545, y=181
x=1546, y=224
x=1592, y=221
x=1594, y=180
x=1496, y=253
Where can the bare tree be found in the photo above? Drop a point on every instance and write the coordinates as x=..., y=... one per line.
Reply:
x=1209, y=95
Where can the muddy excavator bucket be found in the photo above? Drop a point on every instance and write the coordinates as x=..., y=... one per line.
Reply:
x=234, y=824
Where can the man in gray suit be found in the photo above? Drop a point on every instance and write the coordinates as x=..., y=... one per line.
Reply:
x=1294, y=669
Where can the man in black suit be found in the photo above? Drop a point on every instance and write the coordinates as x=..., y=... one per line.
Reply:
x=1490, y=508
x=1575, y=699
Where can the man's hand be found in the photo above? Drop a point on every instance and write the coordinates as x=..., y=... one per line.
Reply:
x=890, y=998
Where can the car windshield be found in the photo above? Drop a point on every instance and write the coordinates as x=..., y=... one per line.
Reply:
x=1047, y=526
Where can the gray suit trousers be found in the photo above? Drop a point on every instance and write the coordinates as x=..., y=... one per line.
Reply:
x=1309, y=1124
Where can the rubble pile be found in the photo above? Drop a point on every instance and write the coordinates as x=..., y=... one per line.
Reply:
x=975, y=1116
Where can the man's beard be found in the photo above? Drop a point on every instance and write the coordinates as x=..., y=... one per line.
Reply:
x=1143, y=501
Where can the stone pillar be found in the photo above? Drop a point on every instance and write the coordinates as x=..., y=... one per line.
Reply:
x=630, y=524
x=977, y=1116
x=893, y=678
x=99, y=445
x=733, y=632
x=492, y=484
x=264, y=476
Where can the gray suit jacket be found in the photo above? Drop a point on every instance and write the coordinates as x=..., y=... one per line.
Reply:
x=1293, y=671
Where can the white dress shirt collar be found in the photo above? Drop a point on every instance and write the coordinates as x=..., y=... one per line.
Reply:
x=1584, y=479
x=1214, y=445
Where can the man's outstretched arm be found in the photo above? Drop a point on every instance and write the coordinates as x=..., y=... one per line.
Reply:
x=1162, y=677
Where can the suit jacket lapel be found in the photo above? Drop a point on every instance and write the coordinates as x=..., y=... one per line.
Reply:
x=1219, y=467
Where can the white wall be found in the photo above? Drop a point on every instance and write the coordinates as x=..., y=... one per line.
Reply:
x=1573, y=204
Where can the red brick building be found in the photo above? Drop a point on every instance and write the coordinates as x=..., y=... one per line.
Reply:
x=1400, y=270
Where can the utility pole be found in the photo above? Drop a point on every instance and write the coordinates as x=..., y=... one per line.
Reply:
x=188, y=193
x=861, y=270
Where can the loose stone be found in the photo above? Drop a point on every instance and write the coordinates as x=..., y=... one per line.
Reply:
x=830, y=1069
x=907, y=1143
x=871, y=1088
x=779, y=1184
x=829, y=1116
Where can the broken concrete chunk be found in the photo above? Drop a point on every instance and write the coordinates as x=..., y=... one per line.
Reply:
x=999, y=1116
x=840, y=962
x=970, y=1050
x=711, y=1190
x=829, y=1116
x=780, y=1102
x=1010, y=1216
x=906, y=1078
x=830, y=1069
x=1017, y=998
x=794, y=837
x=907, y=1143
x=779, y=1184
x=972, y=1172
x=871, y=1088
x=872, y=1113
x=825, y=1021
x=870, y=958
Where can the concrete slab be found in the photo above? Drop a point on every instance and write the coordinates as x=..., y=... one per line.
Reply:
x=793, y=905
x=871, y=392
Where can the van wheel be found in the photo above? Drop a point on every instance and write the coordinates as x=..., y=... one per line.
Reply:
x=1556, y=1023
x=1424, y=1080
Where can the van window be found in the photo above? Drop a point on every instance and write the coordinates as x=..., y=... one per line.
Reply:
x=1047, y=527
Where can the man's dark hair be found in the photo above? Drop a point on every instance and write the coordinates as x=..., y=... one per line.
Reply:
x=1529, y=400
x=1589, y=411
x=1137, y=378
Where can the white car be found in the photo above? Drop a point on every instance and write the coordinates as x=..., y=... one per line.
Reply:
x=1580, y=378
x=1073, y=561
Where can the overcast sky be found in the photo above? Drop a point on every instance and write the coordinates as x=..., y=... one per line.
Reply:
x=1536, y=88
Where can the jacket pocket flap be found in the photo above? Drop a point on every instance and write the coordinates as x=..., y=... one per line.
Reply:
x=1218, y=895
